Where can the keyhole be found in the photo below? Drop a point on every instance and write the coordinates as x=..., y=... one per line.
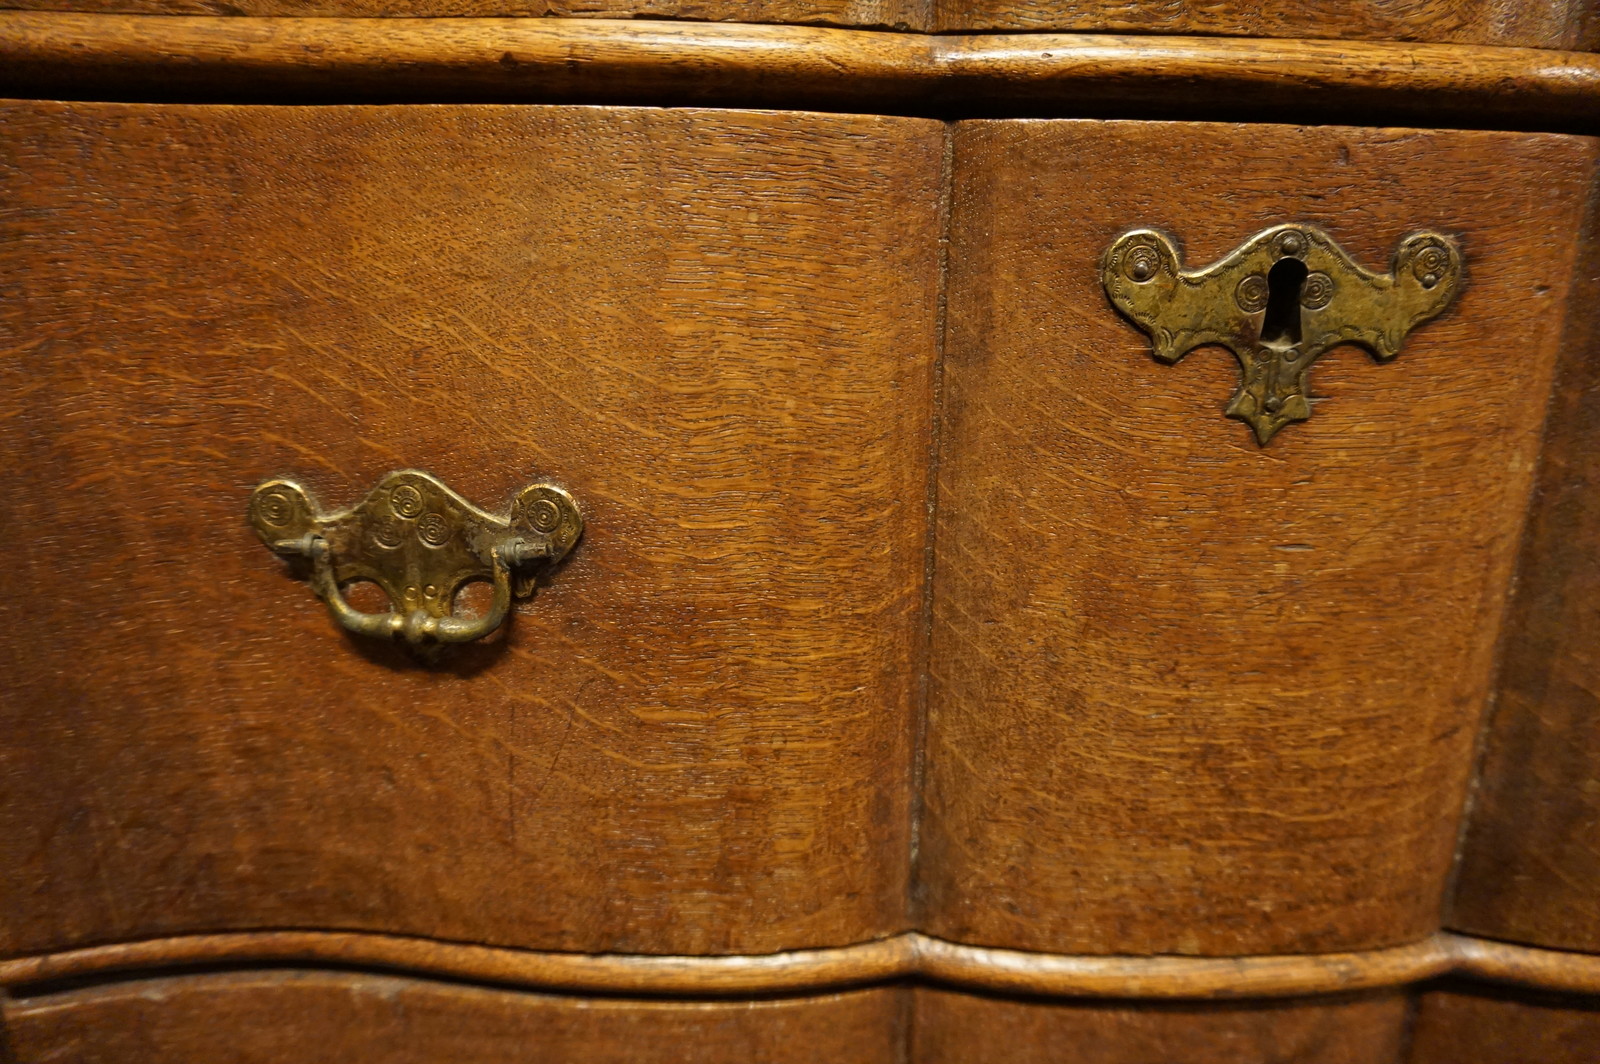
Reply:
x=1280, y=327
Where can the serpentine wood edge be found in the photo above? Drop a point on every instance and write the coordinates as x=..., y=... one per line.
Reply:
x=226, y=59
x=904, y=956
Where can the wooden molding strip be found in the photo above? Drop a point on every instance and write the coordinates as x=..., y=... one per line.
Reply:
x=870, y=962
x=1179, y=977
x=1543, y=969
x=908, y=956
x=230, y=59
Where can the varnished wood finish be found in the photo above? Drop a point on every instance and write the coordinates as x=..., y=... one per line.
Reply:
x=1501, y=962
x=1291, y=975
x=1203, y=716
x=392, y=1019
x=1462, y=1025
x=887, y=14
x=714, y=329
x=1531, y=862
x=1527, y=23
x=953, y=1028
x=1530, y=23
x=1191, y=695
x=596, y=61
x=881, y=961
x=373, y=1019
x=900, y=957
x=589, y=61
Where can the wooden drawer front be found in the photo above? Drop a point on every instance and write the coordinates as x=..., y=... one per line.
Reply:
x=390, y=1020
x=955, y=1028
x=1488, y=1025
x=715, y=329
x=1530, y=860
x=1191, y=694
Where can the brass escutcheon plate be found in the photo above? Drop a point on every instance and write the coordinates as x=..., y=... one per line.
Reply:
x=420, y=542
x=1279, y=302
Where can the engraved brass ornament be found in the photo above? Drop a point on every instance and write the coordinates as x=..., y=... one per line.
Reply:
x=419, y=542
x=1279, y=302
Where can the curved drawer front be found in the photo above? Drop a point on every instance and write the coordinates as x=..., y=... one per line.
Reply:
x=1530, y=858
x=1461, y=1024
x=715, y=330
x=1193, y=692
x=392, y=1020
x=954, y=1028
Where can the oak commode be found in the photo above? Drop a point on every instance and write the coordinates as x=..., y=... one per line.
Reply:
x=922, y=668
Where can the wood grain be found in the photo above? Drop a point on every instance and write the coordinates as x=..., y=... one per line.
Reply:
x=144, y=58
x=1191, y=695
x=881, y=961
x=1527, y=23
x=1530, y=865
x=715, y=329
x=1564, y=971
x=507, y=60
x=1155, y=978
x=954, y=1028
x=885, y=14
x=1463, y=1025
x=909, y=956
x=339, y=1017
x=1338, y=82
x=1530, y=23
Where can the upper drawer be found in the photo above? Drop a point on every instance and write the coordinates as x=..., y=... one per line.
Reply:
x=1189, y=693
x=714, y=329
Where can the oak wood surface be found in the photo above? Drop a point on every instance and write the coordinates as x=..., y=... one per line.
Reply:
x=1530, y=23
x=886, y=14
x=1530, y=863
x=178, y=275
x=1168, y=977
x=714, y=329
x=1553, y=24
x=1190, y=695
x=270, y=1017
x=1565, y=971
x=147, y=58
x=954, y=1028
x=900, y=957
x=1465, y=1025
x=910, y=957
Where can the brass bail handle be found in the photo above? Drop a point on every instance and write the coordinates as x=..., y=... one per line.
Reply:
x=1279, y=302
x=419, y=542
x=418, y=627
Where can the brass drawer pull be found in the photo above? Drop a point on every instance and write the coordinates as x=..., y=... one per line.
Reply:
x=420, y=542
x=1279, y=302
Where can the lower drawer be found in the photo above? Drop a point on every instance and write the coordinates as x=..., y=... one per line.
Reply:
x=1461, y=1024
x=956, y=1028
x=241, y=1018
x=314, y=1016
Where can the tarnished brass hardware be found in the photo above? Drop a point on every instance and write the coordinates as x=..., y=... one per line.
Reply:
x=420, y=542
x=1281, y=301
